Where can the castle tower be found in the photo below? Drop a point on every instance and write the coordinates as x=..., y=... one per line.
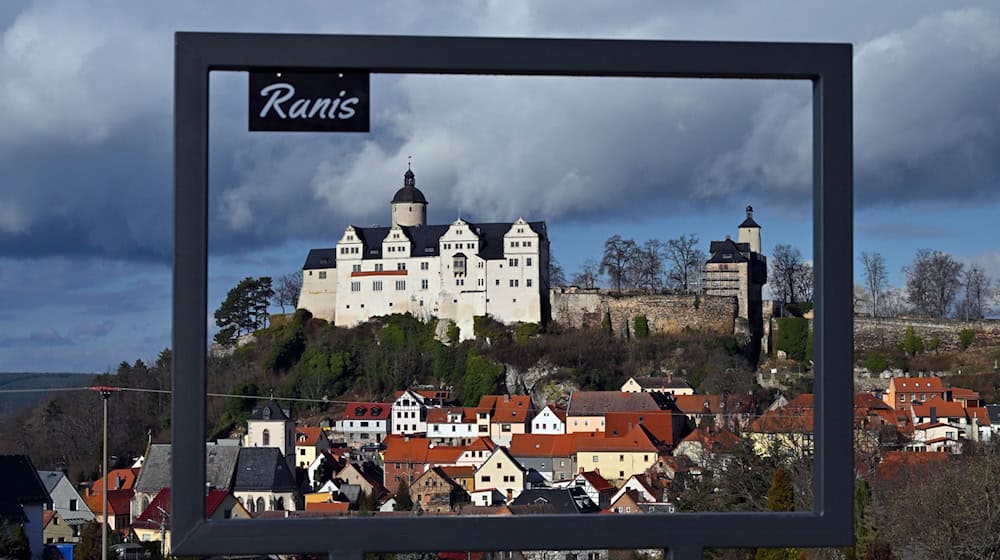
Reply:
x=749, y=232
x=409, y=207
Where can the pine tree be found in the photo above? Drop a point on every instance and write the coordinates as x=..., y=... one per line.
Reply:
x=781, y=497
x=13, y=542
x=606, y=323
x=403, y=500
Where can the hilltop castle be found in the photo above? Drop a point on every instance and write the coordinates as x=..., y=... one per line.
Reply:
x=454, y=271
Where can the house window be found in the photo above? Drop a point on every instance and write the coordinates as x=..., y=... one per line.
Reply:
x=400, y=284
x=485, y=478
x=512, y=262
x=527, y=261
x=483, y=429
x=377, y=285
x=527, y=282
x=513, y=283
x=621, y=458
x=378, y=267
x=460, y=281
x=322, y=275
x=302, y=451
x=72, y=504
x=596, y=458
x=621, y=474
x=498, y=281
x=425, y=266
x=902, y=398
x=356, y=268
x=355, y=286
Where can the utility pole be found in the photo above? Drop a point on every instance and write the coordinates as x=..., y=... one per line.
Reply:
x=105, y=395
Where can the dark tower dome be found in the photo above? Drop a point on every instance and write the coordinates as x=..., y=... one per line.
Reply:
x=409, y=193
x=749, y=223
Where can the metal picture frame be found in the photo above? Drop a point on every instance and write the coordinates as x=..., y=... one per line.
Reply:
x=684, y=535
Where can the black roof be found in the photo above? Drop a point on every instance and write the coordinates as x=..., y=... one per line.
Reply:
x=424, y=241
x=19, y=485
x=263, y=468
x=993, y=411
x=554, y=500
x=270, y=411
x=728, y=251
x=321, y=258
x=409, y=192
x=749, y=223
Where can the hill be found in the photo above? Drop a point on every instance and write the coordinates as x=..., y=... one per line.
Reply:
x=14, y=402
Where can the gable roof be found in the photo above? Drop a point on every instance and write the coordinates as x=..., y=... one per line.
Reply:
x=916, y=384
x=121, y=479
x=783, y=421
x=571, y=500
x=403, y=449
x=157, y=514
x=558, y=411
x=543, y=445
x=506, y=408
x=502, y=450
x=659, y=424
x=440, y=415
x=441, y=474
x=263, y=468
x=714, y=440
x=119, y=501
x=895, y=463
x=425, y=240
x=220, y=466
x=458, y=471
x=728, y=251
x=308, y=436
x=20, y=483
x=942, y=408
x=367, y=411
x=321, y=258
x=271, y=411
x=637, y=440
x=598, y=403
x=596, y=481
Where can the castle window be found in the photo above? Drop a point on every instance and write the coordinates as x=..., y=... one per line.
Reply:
x=401, y=266
x=520, y=230
x=400, y=284
x=498, y=281
x=527, y=243
x=513, y=283
x=425, y=266
x=424, y=283
x=355, y=286
x=515, y=244
x=527, y=282
x=447, y=245
x=479, y=264
x=512, y=262
x=459, y=263
x=310, y=273
x=356, y=268
x=377, y=285
x=267, y=437
x=378, y=267
x=322, y=275
x=460, y=281
x=482, y=282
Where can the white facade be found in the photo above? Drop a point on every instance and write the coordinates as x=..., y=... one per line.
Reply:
x=451, y=427
x=452, y=272
x=409, y=414
x=363, y=423
x=271, y=426
x=548, y=422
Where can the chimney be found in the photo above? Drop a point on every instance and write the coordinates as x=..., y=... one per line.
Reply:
x=581, y=470
x=597, y=471
x=933, y=414
x=727, y=237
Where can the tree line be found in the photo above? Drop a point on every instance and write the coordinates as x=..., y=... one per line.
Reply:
x=937, y=286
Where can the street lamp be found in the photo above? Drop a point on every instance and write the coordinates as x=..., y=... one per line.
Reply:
x=105, y=395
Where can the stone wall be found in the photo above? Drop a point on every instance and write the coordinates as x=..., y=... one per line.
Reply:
x=870, y=333
x=666, y=313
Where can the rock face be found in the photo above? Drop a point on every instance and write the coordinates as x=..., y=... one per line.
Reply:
x=542, y=381
x=666, y=313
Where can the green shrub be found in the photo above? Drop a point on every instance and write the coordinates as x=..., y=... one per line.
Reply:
x=606, y=323
x=289, y=343
x=640, y=326
x=965, y=338
x=933, y=344
x=876, y=362
x=793, y=337
x=481, y=377
x=453, y=332
x=524, y=331
x=912, y=344
x=485, y=327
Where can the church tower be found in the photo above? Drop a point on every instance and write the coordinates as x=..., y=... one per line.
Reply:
x=749, y=232
x=409, y=207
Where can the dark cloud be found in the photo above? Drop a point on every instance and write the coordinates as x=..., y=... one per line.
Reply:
x=908, y=230
x=93, y=330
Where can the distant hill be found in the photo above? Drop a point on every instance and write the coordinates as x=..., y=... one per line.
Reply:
x=13, y=402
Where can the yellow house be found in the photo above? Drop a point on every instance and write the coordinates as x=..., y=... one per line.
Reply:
x=154, y=522
x=55, y=529
x=617, y=458
x=309, y=443
x=786, y=431
x=501, y=472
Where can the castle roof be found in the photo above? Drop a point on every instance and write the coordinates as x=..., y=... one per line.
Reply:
x=321, y=258
x=728, y=251
x=409, y=193
x=749, y=223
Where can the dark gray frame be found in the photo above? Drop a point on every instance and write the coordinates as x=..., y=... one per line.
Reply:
x=827, y=66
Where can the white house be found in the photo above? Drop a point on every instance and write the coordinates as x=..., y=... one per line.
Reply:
x=452, y=425
x=363, y=423
x=551, y=420
x=66, y=500
x=409, y=413
x=667, y=385
x=454, y=271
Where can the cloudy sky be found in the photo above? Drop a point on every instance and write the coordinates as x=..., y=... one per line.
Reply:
x=85, y=148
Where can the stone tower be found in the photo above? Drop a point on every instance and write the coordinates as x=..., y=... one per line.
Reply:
x=409, y=207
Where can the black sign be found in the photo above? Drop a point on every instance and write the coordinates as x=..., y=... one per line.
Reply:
x=307, y=102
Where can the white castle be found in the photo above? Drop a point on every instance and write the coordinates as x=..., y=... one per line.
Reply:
x=454, y=271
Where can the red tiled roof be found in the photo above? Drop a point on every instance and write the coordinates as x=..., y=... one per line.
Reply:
x=659, y=424
x=943, y=409
x=158, y=511
x=481, y=444
x=695, y=404
x=916, y=384
x=454, y=471
x=444, y=455
x=598, y=482
x=939, y=440
x=402, y=449
x=308, y=436
x=963, y=394
x=47, y=517
x=543, y=445
x=119, y=502
x=363, y=411
x=506, y=408
x=929, y=425
x=440, y=415
x=714, y=439
x=637, y=440
x=783, y=420
x=126, y=478
x=336, y=507
x=979, y=413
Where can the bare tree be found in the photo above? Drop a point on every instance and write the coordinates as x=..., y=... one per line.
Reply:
x=862, y=300
x=618, y=256
x=804, y=282
x=977, y=286
x=588, y=276
x=933, y=280
x=875, y=278
x=646, y=270
x=686, y=262
x=893, y=303
x=557, y=276
x=289, y=287
x=787, y=274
